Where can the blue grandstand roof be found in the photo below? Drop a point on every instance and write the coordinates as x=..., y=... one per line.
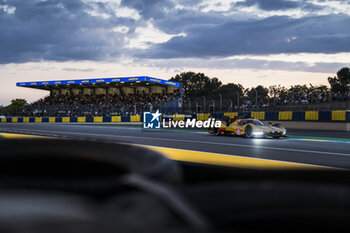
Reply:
x=99, y=80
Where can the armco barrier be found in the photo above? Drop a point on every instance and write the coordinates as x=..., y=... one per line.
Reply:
x=311, y=116
x=81, y=119
x=271, y=116
x=203, y=116
x=135, y=118
x=298, y=116
x=285, y=116
x=217, y=115
x=324, y=116
x=98, y=119
x=116, y=119
x=338, y=115
x=178, y=117
x=248, y=114
x=106, y=119
x=73, y=119
x=125, y=119
x=231, y=114
x=258, y=115
x=89, y=119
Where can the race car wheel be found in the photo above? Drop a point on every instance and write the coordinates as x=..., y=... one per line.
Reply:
x=214, y=131
x=248, y=131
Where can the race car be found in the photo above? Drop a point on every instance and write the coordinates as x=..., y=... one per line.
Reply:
x=248, y=127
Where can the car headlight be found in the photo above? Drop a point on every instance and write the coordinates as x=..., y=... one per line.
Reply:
x=259, y=133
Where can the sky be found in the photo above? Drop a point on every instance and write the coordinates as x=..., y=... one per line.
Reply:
x=251, y=42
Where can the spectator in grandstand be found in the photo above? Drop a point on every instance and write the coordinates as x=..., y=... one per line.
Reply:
x=77, y=105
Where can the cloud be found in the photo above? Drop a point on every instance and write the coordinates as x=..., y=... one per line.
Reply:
x=58, y=30
x=270, y=4
x=150, y=8
x=278, y=5
x=246, y=63
x=273, y=35
x=79, y=69
x=65, y=30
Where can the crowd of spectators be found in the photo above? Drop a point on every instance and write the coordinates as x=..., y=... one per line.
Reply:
x=297, y=100
x=97, y=105
x=246, y=104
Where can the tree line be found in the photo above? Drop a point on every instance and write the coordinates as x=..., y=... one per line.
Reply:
x=197, y=85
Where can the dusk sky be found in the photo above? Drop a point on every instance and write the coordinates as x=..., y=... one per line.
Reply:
x=251, y=42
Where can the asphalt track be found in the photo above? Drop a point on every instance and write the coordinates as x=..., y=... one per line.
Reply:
x=312, y=147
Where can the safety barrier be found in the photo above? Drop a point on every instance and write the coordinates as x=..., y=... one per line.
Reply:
x=116, y=119
x=285, y=116
x=298, y=116
x=231, y=114
x=258, y=115
x=203, y=116
x=338, y=115
x=135, y=118
x=81, y=119
x=311, y=115
x=325, y=116
x=271, y=116
x=178, y=117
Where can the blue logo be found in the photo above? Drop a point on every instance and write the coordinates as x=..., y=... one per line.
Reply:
x=151, y=120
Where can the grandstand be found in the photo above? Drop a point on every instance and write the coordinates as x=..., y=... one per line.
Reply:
x=105, y=96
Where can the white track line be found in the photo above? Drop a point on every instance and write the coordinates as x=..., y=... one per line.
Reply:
x=188, y=141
